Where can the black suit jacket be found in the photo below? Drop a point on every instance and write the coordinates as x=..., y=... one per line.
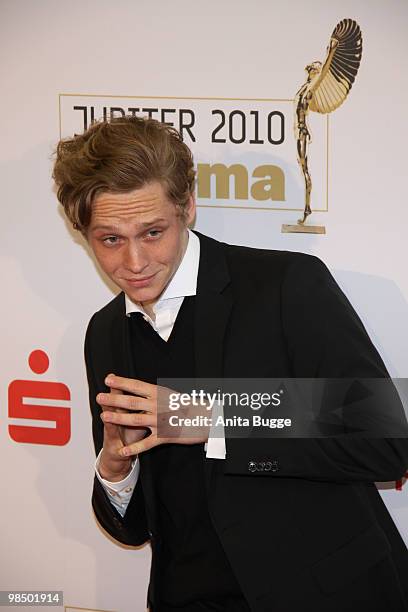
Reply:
x=314, y=533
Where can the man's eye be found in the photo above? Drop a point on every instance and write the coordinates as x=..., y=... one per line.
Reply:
x=110, y=240
x=154, y=233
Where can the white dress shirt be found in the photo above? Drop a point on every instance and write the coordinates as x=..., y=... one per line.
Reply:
x=183, y=284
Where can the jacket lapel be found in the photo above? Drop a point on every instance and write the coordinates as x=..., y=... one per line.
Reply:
x=212, y=311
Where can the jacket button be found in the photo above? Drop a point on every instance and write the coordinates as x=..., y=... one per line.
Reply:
x=117, y=522
x=252, y=466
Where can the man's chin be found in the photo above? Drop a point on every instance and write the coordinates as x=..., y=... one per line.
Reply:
x=145, y=294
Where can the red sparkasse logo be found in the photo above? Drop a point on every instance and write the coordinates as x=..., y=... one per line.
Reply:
x=58, y=429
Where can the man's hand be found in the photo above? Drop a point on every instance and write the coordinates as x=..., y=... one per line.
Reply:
x=113, y=466
x=139, y=411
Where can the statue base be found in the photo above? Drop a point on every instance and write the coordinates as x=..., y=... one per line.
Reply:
x=301, y=228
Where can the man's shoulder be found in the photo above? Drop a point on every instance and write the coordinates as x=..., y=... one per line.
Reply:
x=113, y=309
x=245, y=258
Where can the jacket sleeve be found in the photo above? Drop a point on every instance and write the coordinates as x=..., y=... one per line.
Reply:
x=325, y=339
x=131, y=529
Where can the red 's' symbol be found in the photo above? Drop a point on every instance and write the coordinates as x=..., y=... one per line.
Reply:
x=18, y=390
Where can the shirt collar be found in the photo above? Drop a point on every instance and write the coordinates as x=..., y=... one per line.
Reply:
x=184, y=281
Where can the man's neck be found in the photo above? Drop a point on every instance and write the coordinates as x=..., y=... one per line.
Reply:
x=148, y=308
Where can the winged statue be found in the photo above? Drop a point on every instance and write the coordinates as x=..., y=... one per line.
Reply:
x=326, y=88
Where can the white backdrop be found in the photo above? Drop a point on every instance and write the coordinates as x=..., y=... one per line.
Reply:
x=229, y=49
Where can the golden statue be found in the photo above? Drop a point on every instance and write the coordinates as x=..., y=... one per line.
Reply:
x=326, y=88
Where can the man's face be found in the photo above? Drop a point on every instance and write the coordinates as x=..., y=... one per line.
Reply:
x=139, y=239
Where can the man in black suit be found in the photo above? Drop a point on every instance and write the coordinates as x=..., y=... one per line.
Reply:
x=237, y=524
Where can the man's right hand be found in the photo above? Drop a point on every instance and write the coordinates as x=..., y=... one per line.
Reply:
x=112, y=466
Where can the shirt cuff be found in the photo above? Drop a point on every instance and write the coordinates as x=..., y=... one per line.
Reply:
x=215, y=447
x=120, y=492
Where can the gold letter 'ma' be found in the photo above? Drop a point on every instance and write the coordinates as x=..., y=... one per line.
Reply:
x=271, y=187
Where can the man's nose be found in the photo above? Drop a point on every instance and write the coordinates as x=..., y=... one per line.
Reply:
x=135, y=258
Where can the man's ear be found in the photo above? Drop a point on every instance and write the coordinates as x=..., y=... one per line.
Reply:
x=190, y=210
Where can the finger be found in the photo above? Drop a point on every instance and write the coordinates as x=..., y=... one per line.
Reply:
x=116, y=392
x=131, y=385
x=111, y=433
x=127, y=402
x=140, y=447
x=113, y=391
x=110, y=408
x=129, y=419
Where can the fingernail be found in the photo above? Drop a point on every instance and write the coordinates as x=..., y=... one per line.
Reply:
x=109, y=379
x=106, y=416
x=125, y=452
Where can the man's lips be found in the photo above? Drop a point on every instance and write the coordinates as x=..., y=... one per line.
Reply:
x=140, y=282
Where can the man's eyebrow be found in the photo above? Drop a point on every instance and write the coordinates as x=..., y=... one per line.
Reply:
x=109, y=228
x=152, y=222
x=116, y=228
